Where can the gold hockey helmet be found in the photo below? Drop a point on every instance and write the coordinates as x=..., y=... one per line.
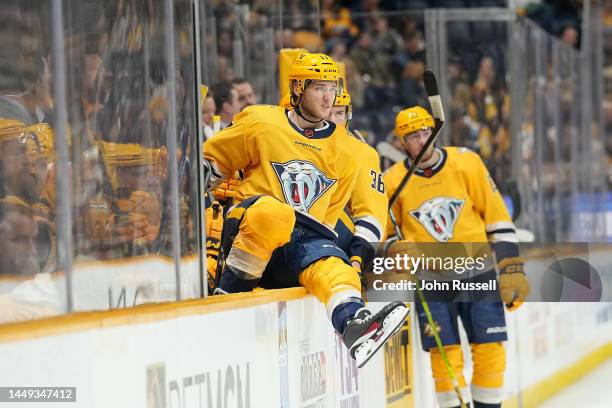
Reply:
x=412, y=119
x=309, y=66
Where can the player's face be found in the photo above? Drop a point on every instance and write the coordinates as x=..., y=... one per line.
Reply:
x=246, y=95
x=208, y=111
x=318, y=99
x=338, y=115
x=414, y=142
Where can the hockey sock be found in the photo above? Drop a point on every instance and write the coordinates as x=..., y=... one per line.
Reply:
x=345, y=312
x=231, y=283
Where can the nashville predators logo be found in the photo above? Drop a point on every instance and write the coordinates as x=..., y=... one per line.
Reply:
x=302, y=183
x=438, y=216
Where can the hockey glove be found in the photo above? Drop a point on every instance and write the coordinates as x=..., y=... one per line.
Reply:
x=513, y=285
x=227, y=189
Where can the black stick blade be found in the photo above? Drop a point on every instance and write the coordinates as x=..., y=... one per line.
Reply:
x=431, y=84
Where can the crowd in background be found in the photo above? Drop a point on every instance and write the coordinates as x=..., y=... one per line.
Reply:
x=120, y=102
x=382, y=46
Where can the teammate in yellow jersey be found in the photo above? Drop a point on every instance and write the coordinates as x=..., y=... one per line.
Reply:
x=355, y=234
x=452, y=198
x=298, y=176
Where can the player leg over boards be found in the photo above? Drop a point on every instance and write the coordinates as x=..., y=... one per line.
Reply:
x=298, y=177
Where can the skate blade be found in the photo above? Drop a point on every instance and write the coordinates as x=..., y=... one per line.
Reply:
x=391, y=325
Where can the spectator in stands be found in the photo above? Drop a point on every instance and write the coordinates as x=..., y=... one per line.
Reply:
x=224, y=68
x=569, y=35
x=486, y=74
x=17, y=238
x=337, y=21
x=16, y=175
x=35, y=296
x=413, y=50
x=386, y=39
x=460, y=131
x=246, y=94
x=40, y=151
x=414, y=47
x=41, y=154
x=24, y=157
x=208, y=111
x=371, y=64
x=337, y=49
x=25, y=80
x=407, y=26
x=455, y=73
x=300, y=15
x=411, y=90
x=226, y=102
x=225, y=44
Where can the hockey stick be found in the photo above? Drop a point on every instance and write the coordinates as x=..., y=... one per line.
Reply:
x=436, y=334
x=431, y=86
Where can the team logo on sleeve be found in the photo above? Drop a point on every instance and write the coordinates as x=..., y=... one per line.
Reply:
x=302, y=183
x=438, y=216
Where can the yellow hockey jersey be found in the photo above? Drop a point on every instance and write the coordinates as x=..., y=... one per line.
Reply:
x=453, y=201
x=314, y=171
x=368, y=201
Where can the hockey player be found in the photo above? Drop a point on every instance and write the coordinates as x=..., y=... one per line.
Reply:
x=452, y=198
x=345, y=227
x=298, y=175
x=351, y=230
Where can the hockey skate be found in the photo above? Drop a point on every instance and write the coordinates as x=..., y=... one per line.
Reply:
x=366, y=333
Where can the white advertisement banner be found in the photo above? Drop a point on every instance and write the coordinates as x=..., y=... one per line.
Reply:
x=280, y=354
